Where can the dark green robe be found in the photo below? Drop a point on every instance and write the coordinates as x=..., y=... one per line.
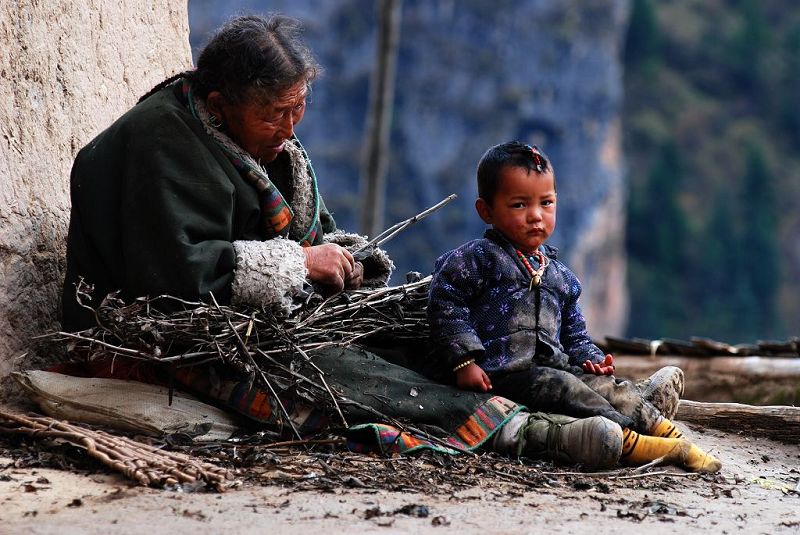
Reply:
x=156, y=207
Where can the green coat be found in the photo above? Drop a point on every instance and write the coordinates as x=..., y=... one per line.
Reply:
x=156, y=207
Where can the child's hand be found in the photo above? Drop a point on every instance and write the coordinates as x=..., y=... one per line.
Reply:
x=473, y=377
x=604, y=368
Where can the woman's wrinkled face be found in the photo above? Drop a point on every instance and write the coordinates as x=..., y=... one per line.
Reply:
x=261, y=128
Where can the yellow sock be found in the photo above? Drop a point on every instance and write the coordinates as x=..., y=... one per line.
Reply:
x=696, y=459
x=699, y=461
x=641, y=449
x=666, y=429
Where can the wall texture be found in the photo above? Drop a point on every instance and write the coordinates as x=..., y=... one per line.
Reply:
x=68, y=68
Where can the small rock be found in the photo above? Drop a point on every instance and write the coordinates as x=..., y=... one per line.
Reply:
x=414, y=509
x=440, y=520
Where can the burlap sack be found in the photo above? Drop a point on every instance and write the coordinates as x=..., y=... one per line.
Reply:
x=125, y=405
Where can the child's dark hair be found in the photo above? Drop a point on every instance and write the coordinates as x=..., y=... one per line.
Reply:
x=511, y=154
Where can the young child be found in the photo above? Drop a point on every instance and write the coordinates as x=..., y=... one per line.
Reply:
x=504, y=314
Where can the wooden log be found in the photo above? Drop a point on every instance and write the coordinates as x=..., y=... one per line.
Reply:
x=644, y=365
x=778, y=422
x=750, y=380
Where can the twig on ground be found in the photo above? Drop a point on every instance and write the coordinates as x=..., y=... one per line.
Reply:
x=143, y=463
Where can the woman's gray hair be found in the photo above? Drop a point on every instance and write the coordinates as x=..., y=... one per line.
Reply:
x=265, y=54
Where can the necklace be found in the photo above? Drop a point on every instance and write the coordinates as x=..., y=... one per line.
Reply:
x=536, y=274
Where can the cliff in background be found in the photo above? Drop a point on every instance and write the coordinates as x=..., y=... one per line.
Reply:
x=472, y=74
x=68, y=69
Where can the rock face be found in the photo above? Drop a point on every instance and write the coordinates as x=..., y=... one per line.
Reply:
x=472, y=74
x=67, y=70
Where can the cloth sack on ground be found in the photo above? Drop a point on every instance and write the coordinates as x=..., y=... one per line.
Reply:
x=125, y=405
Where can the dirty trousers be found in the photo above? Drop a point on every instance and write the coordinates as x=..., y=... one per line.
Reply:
x=552, y=390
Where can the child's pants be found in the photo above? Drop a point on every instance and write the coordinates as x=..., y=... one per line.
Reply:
x=551, y=390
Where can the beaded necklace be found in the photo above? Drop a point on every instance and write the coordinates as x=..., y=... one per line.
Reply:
x=536, y=274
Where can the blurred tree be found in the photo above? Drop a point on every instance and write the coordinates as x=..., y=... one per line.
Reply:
x=381, y=105
x=656, y=230
x=727, y=72
x=789, y=86
x=643, y=42
x=749, y=47
x=718, y=297
x=759, y=244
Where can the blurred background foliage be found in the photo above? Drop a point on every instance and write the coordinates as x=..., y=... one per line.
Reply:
x=712, y=138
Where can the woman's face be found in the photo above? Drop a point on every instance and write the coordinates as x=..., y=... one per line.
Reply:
x=261, y=128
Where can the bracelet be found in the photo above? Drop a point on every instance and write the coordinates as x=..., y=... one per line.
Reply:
x=464, y=364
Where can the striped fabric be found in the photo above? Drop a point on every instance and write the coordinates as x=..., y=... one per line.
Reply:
x=470, y=435
x=251, y=400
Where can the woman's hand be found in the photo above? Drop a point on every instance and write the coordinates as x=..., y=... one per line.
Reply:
x=473, y=377
x=604, y=368
x=332, y=266
x=356, y=278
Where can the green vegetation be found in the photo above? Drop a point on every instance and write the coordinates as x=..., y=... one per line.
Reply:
x=712, y=135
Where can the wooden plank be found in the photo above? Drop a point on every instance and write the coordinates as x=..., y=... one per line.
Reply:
x=681, y=347
x=750, y=380
x=779, y=422
x=644, y=365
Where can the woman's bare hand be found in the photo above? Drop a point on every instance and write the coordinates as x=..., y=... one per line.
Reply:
x=356, y=278
x=330, y=265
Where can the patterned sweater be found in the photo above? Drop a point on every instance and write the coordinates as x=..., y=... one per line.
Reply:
x=480, y=302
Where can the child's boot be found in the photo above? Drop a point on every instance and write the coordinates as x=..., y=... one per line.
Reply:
x=664, y=390
x=696, y=460
x=594, y=442
x=641, y=449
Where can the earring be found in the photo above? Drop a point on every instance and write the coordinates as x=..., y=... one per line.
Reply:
x=214, y=121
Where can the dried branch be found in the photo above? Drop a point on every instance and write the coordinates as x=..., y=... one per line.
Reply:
x=145, y=464
x=277, y=351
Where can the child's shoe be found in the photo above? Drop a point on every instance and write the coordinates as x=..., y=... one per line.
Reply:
x=664, y=390
x=594, y=442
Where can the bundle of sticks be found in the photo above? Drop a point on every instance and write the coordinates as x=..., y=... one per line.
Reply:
x=197, y=331
x=145, y=464
x=255, y=341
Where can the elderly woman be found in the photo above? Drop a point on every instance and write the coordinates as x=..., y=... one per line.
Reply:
x=204, y=188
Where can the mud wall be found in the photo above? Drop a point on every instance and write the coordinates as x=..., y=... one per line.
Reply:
x=67, y=69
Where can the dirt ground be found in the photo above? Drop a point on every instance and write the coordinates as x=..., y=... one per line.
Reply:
x=758, y=491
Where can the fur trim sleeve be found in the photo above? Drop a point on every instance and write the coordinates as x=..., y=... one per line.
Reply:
x=377, y=267
x=268, y=273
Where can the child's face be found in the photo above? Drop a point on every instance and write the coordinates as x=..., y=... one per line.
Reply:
x=524, y=208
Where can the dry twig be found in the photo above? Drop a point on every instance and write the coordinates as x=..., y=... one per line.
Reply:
x=277, y=351
x=145, y=464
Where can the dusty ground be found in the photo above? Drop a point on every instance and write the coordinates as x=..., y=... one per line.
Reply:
x=758, y=491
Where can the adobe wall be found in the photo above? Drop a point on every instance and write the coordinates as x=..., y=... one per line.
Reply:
x=67, y=70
